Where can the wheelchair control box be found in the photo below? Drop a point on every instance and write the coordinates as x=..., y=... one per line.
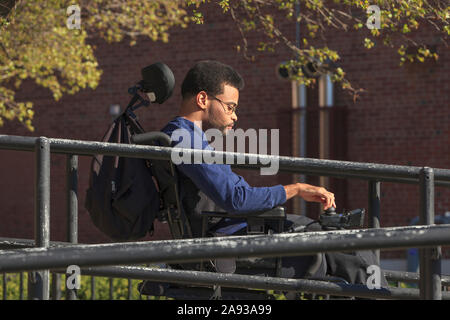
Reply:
x=346, y=220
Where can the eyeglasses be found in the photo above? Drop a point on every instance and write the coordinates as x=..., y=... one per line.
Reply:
x=230, y=107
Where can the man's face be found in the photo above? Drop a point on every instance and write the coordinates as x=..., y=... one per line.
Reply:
x=222, y=109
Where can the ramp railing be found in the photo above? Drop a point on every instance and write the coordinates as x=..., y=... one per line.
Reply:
x=40, y=255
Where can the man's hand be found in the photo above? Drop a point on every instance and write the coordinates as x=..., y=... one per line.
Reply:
x=310, y=193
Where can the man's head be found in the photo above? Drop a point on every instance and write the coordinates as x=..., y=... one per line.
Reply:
x=210, y=94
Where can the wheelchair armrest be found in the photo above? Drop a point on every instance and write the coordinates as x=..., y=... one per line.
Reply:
x=150, y=138
x=274, y=213
x=255, y=220
x=256, y=224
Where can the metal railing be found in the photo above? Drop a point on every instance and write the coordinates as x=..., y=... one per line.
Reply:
x=103, y=259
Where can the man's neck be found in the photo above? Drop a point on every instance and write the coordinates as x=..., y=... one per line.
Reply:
x=191, y=117
x=187, y=112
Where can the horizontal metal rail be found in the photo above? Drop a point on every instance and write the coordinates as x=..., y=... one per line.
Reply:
x=412, y=277
x=343, y=169
x=17, y=243
x=50, y=255
x=221, y=247
x=251, y=282
x=391, y=275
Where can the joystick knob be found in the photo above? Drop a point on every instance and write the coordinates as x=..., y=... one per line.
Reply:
x=330, y=211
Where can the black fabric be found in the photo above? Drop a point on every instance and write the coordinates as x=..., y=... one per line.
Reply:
x=122, y=199
x=193, y=203
x=352, y=267
x=296, y=267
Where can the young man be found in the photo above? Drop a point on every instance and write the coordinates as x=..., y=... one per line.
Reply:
x=210, y=98
x=210, y=94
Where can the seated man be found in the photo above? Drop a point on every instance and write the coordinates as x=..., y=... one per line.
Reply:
x=210, y=95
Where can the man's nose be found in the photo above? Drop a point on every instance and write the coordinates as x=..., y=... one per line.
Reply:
x=234, y=116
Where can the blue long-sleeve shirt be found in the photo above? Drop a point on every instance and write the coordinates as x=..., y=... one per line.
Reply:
x=218, y=182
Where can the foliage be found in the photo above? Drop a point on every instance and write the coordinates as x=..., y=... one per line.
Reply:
x=102, y=288
x=13, y=286
x=38, y=44
x=398, y=20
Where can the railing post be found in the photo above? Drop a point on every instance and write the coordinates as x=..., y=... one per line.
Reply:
x=5, y=288
x=430, y=258
x=21, y=286
x=130, y=289
x=72, y=208
x=56, y=286
x=38, y=282
x=374, y=209
x=92, y=288
x=111, y=288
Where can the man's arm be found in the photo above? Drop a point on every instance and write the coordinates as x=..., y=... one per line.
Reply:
x=310, y=193
x=230, y=191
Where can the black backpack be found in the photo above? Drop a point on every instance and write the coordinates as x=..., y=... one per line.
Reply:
x=122, y=197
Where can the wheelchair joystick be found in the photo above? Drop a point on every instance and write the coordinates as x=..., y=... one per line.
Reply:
x=330, y=211
x=352, y=219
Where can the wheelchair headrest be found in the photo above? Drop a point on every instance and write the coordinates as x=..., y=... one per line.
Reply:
x=159, y=80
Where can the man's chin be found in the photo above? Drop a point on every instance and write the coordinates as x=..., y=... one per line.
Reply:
x=227, y=130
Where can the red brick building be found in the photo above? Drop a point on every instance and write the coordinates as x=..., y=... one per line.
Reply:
x=402, y=118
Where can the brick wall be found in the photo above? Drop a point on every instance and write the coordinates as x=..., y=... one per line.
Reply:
x=402, y=118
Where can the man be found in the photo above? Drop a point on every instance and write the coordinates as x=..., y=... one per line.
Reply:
x=210, y=97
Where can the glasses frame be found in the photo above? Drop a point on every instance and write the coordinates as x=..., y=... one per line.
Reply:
x=231, y=106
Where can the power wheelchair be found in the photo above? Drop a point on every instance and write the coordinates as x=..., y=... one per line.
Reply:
x=180, y=226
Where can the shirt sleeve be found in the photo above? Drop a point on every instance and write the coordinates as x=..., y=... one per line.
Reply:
x=230, y=191
x=217, y=181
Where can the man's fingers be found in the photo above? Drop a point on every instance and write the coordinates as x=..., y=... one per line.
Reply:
x=328, y=201
x=318, y=194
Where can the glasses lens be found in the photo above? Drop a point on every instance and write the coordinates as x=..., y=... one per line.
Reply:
x=228, y=108
x=232, y=108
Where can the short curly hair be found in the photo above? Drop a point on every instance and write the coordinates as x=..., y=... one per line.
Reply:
x=210, y=76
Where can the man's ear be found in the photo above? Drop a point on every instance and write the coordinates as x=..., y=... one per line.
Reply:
x=201, y=100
